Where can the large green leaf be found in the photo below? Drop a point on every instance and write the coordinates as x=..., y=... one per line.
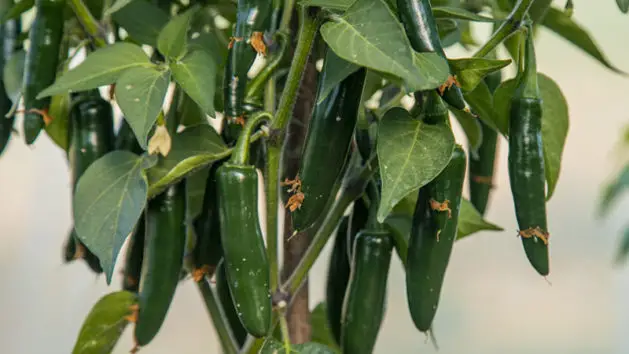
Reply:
x=555, y=123
x=105, y=323
x=369, y=34
x=192, y=149
x=410, y=154
x=108, y=202
x=273, y=346
x=335, y=70
x=481, y=102
x=321, y=332
x=563, y=25
x=196, y=74
x=173, y=40
x=140, y=94
x=142, y=20
x=472, y=128
x=103, y=67
x=623, y=5
x=59, y=110
x=614, y=190
x=471, y=221
x=470, y=71
x=13, y=73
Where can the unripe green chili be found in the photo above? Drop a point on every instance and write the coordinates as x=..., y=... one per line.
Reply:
x=9, y=32
x=227, y=303
x=526, y=161
x=421, y=30
x=246, y=263
x=433, y=232
x=326, y=149
x=41, y=63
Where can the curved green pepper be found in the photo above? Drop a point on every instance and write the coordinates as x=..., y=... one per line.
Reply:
x=8, y=36
x=526, y=162
x=421, y=30
x=365, y=300
x=433, y=232
x=41, y=63
x=326, y=147
x=164, y=243
x=245, y=257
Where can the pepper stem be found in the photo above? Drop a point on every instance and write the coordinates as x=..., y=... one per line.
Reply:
x=240, y=155
x=527, y=86
x=374, y=201
x=508, y=27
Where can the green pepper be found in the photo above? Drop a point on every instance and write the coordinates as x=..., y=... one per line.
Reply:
x=246, y=263
x=90, y=137
x=207, y=251
x=164, y=243
x=339, y=266
x=42, y=59
x=227, y=303
x=326, y=147
x=9, y=32
x=482, y=164
x=251, y=20
x=365, y=301
x=133, y=261
x=433, y=231
x=421, y=30
x=526, y=162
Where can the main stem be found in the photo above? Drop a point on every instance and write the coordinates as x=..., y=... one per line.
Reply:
x=89, y=23
x=508, y=27
x=225, y=335
x=307, y=32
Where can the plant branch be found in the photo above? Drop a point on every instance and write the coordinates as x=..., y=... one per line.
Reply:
x=89, y=23
x=507, y=28
x=225, y=335
x=287, y=14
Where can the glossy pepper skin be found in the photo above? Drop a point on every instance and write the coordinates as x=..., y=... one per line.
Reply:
x=252, y=19
x=327, y=146
x=365, y=301
x=482, y=165
x=227, y=303
x=41, y=63
x=433, y=232
x=421, y=30
x=526, y=163
x=246, y=263
x=164, y=243
x=9, y=32
x=339, y=266
x=133, y=261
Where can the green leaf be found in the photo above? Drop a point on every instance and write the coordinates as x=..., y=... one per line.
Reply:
x=623, y=249
x=555, y=123
x=482, y=103
x=369, y=34
x=470, y=221
x=103, y=67
x=105, y=323
x=142, y=20
x=399, y=225
x=195, y=190
x=13, y=73
x=173, y=40
x=336, y=70
x=108, y=201
x=329, y=4
x=140, y=94
x=192, y=149
x=321, y=332
x=410, y=153
x=119, y=4
x=17, y=10
x=273, y=346
x=189, y=112
x=59, y=110
x=623, y=5
x=560, y=23
x=472, y=128
x=614, y=190
x=196, y=74
x=458, y=13
x=470, y=71
x=449, y=32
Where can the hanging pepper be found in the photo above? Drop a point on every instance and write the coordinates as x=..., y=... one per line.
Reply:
x=526, y=161
x=421, y=30
x=9, y=32
x=433, y=231
x=246, y=263
x=41, y=63
x=325, y=150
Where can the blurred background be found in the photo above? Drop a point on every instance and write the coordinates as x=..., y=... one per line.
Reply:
x=493, y=302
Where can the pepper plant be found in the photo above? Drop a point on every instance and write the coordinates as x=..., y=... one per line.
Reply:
x=343, y=109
